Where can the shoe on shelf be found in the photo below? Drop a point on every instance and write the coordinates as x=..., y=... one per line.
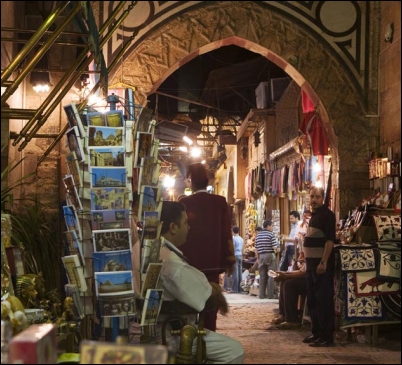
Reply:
x=278, y=320
x=321, y=343
x=289, y=325
x=310, y=339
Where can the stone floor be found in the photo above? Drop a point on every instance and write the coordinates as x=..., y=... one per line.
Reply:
x=249, y=317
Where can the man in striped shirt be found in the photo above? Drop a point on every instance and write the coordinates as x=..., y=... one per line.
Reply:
x=265, y=247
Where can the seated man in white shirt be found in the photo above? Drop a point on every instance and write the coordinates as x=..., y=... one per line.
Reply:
x=292, y=285
x=190, y=286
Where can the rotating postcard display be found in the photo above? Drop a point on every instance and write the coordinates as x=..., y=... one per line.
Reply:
x=110, y=198
x=113, y=165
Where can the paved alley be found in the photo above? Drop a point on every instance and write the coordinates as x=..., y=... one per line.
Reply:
x=249, y=316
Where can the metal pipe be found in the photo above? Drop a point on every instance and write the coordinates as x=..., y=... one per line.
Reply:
x=38, y=135
x=9, y=113
x=81, y=106
x=38, y=55
x=5, y=29
x=35, y=38
x=66, y=76
x=111, y=66
x=70, y=84
x=42, y=43
x=187, y=335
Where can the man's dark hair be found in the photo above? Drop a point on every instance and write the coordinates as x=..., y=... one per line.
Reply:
x=171, y=213
x=197, y=172
x=267, y=223
x=295, y=214
x=236, y=230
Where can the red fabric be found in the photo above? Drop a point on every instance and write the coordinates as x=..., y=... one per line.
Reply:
x=307, y=104
x=312, y=127
x=209, y=245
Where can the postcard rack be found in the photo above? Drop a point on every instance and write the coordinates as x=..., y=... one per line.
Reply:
x=112, y=182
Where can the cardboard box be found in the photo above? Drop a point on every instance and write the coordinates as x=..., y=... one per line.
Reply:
x=35, y=345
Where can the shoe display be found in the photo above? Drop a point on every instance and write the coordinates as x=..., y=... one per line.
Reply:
x=289, y=325
x=278, y=320
x=310, y=339
x=321, y=343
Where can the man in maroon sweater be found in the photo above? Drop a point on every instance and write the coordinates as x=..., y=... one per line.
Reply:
x=209, y=245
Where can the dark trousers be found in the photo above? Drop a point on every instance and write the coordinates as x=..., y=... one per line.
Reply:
x=287, y=258
x=211, y=316
x=290, y=290
x=320, y=302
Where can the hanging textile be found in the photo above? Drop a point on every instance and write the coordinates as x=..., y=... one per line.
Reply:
x=290, y=181
x=307, y=104
x=313, y=128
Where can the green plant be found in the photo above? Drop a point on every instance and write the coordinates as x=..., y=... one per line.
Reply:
x=32, y=229
x=37, y=233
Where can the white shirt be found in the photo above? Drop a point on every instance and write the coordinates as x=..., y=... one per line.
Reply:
x=181, y=281
x=294, y=230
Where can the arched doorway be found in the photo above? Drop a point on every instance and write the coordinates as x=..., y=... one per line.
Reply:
x=307, y=58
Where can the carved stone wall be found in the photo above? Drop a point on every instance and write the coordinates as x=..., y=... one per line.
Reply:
x=261, y=29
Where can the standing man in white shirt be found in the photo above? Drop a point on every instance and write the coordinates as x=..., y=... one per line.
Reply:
x=238, y=243
x=290, y=241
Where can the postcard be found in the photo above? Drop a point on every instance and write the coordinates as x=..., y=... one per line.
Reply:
x=151, y=225
x=73, y=245
x=129, y=135
x=71, y=219
x=152, y=306
x=100, y=220
x=151, y=280
x=105, y=136
x=134, y=183
x=143, y=147
x=72, y=192
x=74, y=143
x=114, y=283
x=73, y=168
x=75, y=271
x=113, y=307
x=109, y=199
x=150, y=250
x=114, y=118
x=155, y=148
x=108, y=177
x=116, y=240
x=73, y=292
x=94, y=352
x=143, y=120
x=149, y=171
x=96, y=119
x=74, y=119
x=112, y=261
x=150, y=196
x=106, y=156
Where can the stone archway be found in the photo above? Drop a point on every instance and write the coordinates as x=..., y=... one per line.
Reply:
x=314, y=67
